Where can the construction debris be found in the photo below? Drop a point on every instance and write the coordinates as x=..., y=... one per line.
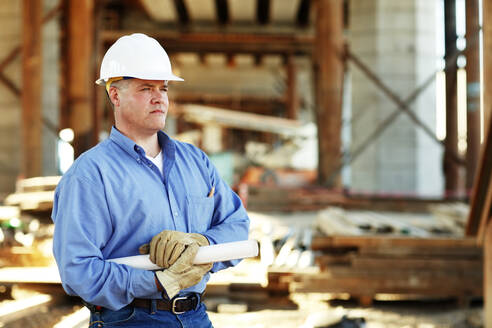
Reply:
x=366, y=253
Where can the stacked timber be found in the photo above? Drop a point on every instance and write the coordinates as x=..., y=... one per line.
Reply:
x=34, y=194
x=288, y=199
x=365, y=253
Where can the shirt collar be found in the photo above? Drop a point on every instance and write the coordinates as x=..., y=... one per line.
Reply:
x=128, y=145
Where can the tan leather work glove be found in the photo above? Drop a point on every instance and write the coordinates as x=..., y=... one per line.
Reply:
x=182, y=274
x=167, y=246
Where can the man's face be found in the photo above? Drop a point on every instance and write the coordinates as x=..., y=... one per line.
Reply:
x=142, y=106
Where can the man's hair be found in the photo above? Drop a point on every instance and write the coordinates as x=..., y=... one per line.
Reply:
x=120, y=85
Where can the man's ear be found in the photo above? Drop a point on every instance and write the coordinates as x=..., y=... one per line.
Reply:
x=114, y=96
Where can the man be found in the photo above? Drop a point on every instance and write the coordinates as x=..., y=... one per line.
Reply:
x=142, y=189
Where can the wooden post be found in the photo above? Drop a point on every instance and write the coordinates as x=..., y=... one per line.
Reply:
x=487, y=281
x=472, y=91
x=328, y=72
x=292, y=94
x=451, y=168
x=487, y=60
x=31, y=88
x=79, y=70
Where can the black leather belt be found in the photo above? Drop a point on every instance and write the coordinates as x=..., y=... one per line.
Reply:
x=177, y=305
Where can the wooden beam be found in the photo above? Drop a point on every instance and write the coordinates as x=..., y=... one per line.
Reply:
x=206, y=42
x=257, y=105
x=31, y=88
x=328, y=72
x=303, y=13
x=446, y=244
x=16, y=51
x=482, y=191
x=472, y=53
x=79, y=68
x=487, y=274
x=292, y=94
x=451, y=168
x=200, y=114
x=222, y=10
x=182, y=11
x=9, y=84
x=487, y=60
x=263, y=11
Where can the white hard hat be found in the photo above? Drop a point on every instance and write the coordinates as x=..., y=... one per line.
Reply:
x=137, y=56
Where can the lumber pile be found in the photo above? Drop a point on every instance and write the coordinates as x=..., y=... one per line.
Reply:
x=266, y=197
x=34, y=194
x=271, y=198
x=366, y=253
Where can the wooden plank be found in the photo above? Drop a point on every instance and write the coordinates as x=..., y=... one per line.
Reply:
x=320, y=243
x=31, y=88
x=77, y=319
x=33, y=275
x=410, y=283
x=37, y=184
x=38, y=201
x=427, y=264
x=328, y=72
x=23, y=307
x=248, y=121
x=463, y=252
x=404, y=284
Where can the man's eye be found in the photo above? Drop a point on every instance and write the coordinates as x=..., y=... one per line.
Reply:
x=145, y=89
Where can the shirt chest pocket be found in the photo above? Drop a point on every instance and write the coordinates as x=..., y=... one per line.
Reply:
x=200, y=212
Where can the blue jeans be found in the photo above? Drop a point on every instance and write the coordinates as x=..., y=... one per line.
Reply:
x=130, y=316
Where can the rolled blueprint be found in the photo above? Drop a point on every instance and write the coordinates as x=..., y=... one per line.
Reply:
x=206, y=254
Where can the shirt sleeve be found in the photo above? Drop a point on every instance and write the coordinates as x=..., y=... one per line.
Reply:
x=83, y=225
x=230, y=220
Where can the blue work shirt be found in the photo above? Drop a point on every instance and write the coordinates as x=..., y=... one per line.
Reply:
x=113, y=199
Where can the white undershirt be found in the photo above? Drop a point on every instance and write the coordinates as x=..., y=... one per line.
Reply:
x=157, y=161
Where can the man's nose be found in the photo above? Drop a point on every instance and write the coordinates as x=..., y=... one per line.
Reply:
x=157, y=96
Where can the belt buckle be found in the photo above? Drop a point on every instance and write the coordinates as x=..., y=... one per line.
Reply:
x=173, y=305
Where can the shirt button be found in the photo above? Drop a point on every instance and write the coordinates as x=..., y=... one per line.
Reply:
x=175, y=213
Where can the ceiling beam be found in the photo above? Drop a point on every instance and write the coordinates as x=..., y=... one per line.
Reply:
x=303, y=12
x=263, y=11
x=222, y=10
x=183, y=15
x=197, y=42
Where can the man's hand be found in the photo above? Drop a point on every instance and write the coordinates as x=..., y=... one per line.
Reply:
x=167, y=246
x=182, y=274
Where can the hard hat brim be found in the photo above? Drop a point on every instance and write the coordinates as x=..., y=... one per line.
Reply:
x=172, y=77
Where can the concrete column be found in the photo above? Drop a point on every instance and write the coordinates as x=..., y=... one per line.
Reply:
x=395, y=40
